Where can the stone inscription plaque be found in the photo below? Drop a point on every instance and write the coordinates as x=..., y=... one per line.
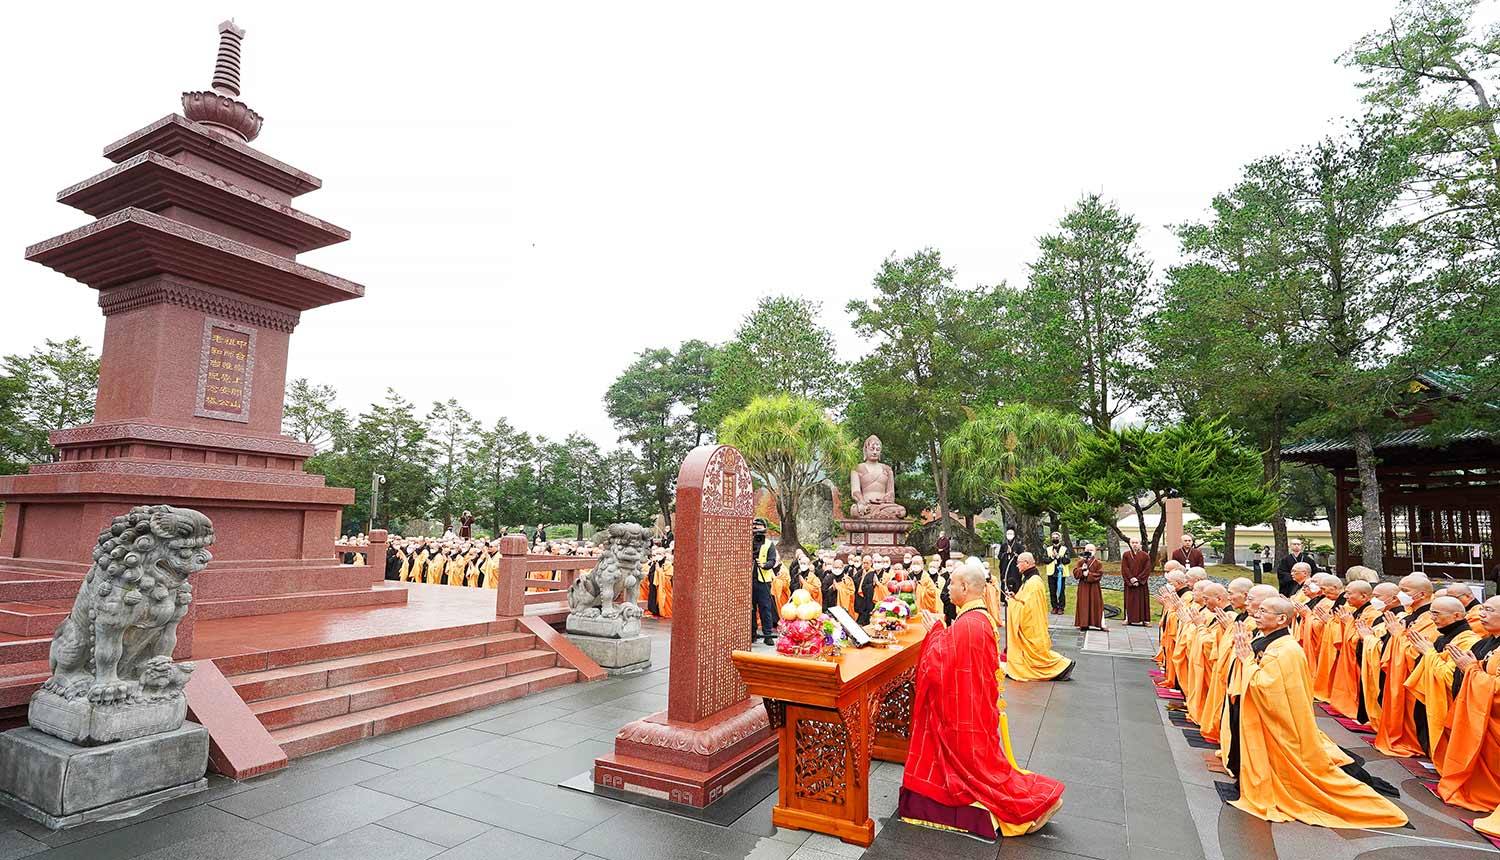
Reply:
x=226, y=367
x=711, y=582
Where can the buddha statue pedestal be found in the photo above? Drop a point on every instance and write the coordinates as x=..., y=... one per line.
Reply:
x=884, y=536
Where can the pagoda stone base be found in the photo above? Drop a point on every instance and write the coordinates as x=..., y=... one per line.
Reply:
x=691, y=764
x=62, y=785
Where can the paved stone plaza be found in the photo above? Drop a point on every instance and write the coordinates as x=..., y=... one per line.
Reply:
x=483, y=785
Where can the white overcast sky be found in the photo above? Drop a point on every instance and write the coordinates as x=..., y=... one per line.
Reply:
x=538, y=191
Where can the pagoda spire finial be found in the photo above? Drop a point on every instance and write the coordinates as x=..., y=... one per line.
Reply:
x=219, y=109
x=227, y=65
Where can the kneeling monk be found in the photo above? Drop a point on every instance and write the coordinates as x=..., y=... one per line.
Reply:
x=957, y=774
x=1287, y=772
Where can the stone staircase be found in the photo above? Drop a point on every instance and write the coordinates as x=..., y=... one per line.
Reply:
x=314, y=698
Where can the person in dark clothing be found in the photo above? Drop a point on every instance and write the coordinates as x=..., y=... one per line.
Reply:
x=1284, y=581
x=653, y=605
x=1010, y=574
x=864, y=592
x=944, y=546
x=830, y=580
x=392, y=563
x=763, y=570
x=1057, y=559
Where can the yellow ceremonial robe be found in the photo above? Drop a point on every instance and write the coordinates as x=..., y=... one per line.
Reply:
x=1470, y=758
x=436, y=567
x=1345, y=684
x=1431, y=683
x=405, y=573
x=1211, y=712
x=1396, y=733
x=491, y=571
x=1028, y=644
x=1286, y=770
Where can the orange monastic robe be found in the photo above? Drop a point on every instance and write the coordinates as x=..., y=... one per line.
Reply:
x=992, y=598
x=1287, y=771
x=927, y=594
x=1211, y=713
x=882, y=590
x=1344, y=688
x=1169, y=622
x=664, y=590
x=1396, y=733
x=809, y=582
x=845, y=587
x=1472, y=616
x=492, y=571
x=781, y=588
x=1470, y=759
x=1028, y=644
x=1329, y=640
x=1431, y=683
x=435, y=568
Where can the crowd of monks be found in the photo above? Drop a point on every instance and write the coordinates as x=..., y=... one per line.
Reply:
x=861, y=582
x=470, y=562
x=1416, y=666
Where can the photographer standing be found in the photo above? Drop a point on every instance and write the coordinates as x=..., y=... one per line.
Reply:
x=1058, y=556
x=763, y=567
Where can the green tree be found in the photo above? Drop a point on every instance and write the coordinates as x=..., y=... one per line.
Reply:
x=452, y=434
x=928, y=366
x=311, y=414
x=1432, y=74
x=391, y=440
x=570, y=480
x=1140, y=467
x=1085, y=306
x=996, y=446
x=500, y=456
x=779, y=348
x=792, y=447
x=621, y=495
x=52, y=387
x=658, y=405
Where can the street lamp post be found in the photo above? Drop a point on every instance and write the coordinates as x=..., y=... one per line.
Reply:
x=376, y=479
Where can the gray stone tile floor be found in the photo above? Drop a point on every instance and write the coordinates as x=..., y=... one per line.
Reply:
x=484, y=785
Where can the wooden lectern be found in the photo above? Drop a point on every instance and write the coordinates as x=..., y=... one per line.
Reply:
x=832, y=718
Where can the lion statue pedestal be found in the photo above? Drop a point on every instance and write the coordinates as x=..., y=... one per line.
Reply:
x=607, y=631
x=108, y=734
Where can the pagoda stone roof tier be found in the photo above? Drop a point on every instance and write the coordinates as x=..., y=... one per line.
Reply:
x=133, y=244
x=175, y=133
x=153, y=181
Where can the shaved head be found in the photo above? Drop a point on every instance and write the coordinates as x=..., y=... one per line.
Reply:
x=1386, y=591
x=1257, y=595
x=1359, y=586
x=1217, y=595
x=1417, y=582
x=1446, y=610
x=1196, y=574
x=1176, y=578
x=1171, y=565
x=1275, y=613
x=1489, y=616
x=1460, y=592
x=1240, y=585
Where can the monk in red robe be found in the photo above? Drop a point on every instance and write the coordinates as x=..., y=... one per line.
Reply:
x=957, y=776
x=1089, y=607
x=1135, y=570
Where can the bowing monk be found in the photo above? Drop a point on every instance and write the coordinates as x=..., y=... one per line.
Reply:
x=957, y=776
x=1088, y=611
x=1373, y=640
x=1431, y=678
x=1343, y=674
x=1229, y=721
x=1287, y=771
x=1463, y=594
x=1402, y=730
x=1028, y=644
x=1469, y=757
x=1174, y=589
x=1229, y=618
x=1211, y=632
x=1321, y=631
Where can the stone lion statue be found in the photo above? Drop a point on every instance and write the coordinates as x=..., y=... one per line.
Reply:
x=111, y=659
x=618, y=572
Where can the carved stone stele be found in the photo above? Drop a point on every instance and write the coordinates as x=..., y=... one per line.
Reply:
x=111, y=658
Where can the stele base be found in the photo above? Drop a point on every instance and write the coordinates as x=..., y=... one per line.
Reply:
x=693, y=764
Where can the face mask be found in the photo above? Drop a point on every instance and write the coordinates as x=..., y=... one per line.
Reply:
x=1404, y=598
x=1056, y=541
x=1378, y=604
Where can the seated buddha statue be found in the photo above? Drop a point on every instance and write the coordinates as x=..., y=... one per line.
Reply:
x=872, y=485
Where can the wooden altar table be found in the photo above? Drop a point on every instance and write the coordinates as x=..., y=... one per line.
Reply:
x=832, y=718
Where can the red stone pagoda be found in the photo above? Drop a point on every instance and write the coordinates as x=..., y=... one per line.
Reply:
x=194, y=253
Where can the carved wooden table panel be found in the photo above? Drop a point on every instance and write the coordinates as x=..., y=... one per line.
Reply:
x=831, y=720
